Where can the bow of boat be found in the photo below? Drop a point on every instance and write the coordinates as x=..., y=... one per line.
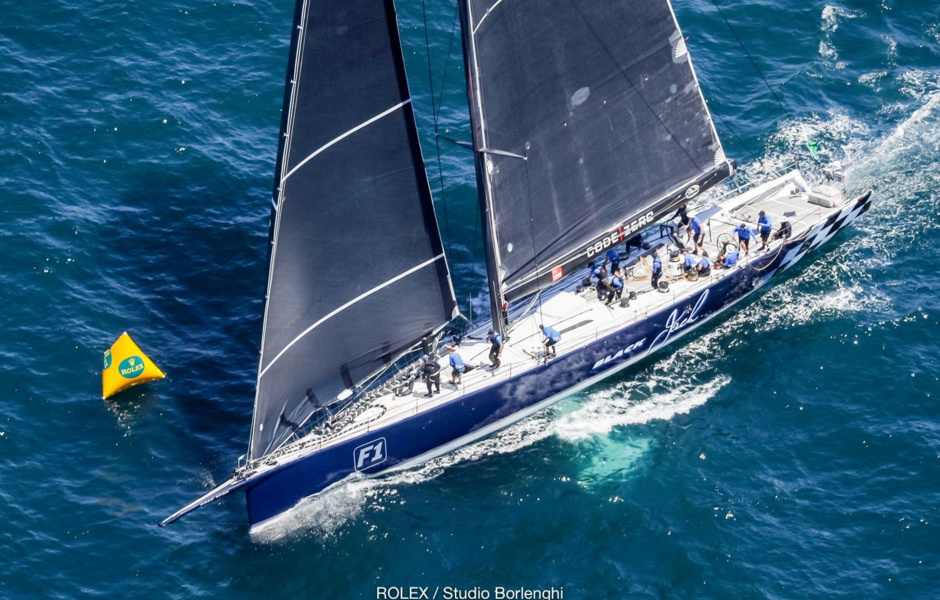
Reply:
x=232, y=485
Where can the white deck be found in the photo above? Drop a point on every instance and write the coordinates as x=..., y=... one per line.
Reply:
x=579, y=316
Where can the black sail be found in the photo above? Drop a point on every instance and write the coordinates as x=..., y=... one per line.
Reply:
x=588, y=123
x=357, y=270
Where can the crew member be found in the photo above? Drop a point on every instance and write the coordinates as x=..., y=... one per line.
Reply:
x=552, y=337
x=496, y=348
x=704, y=266
x=635, y=242
x=431, y=371
x=684, y=220
x=764, y=226
x=603, y=279
x=697, y=235
x=598, y=270
x=600, y=273
x=657, y=271
x=613, y=257
x=744, y=236
x=457, y=366
x=688, y=261
x=727, y=258
x=616, y=288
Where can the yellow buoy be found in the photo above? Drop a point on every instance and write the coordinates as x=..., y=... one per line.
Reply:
x=125, y=365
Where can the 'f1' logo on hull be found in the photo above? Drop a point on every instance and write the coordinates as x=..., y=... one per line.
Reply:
x=369, y=455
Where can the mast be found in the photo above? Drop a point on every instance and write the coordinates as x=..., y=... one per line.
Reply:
x=498, y=303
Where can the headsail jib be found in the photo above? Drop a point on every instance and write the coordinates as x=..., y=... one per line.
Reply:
x=601, y=99
x=357, y=272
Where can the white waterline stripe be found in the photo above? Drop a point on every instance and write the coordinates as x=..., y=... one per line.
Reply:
x=344, y=136
x=347, y=305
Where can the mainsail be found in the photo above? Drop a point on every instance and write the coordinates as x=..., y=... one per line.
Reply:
x=588, y=124
x=357, y=271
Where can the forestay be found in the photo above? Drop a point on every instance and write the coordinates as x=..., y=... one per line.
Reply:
x=357, y=272
x=589, y=124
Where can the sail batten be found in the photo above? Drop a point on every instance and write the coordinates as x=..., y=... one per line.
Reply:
x=600, y=98
x=357, y=270
x=344, y=136
x=340, y=309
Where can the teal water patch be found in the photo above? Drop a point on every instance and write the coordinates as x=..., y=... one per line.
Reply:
x=612, y=460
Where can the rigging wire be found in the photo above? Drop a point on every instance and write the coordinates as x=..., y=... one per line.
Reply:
x=753, y=62
x=450, y=47
x=751, y=154
x=434, y=113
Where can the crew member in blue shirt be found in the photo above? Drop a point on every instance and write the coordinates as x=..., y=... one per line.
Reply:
x=552, y=337
x=688, y=261
x=704, y=266
x=598, y=270
x=613, y=257
x=764, y=226
x=616, y=288
x=496, y=350
x=600, y=273
x=697, y=235
x=728, y=258
x=657, y=271
x=456, y=364
x=744, y=236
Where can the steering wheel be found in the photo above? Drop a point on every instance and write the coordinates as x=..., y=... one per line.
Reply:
x=724, y=240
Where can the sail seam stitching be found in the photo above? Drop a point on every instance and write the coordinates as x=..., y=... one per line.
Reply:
x=344, y=136
x=347, y=305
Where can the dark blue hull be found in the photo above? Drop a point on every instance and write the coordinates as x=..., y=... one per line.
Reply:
x=477, y=414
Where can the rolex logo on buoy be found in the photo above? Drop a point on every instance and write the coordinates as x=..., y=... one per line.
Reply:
x=131, y=367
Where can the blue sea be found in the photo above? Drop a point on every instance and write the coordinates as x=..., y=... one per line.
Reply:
x=789, y=450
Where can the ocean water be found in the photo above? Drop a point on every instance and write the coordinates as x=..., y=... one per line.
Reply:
x=790, y=450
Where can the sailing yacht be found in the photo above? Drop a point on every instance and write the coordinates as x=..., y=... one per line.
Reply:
x=589, y=127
